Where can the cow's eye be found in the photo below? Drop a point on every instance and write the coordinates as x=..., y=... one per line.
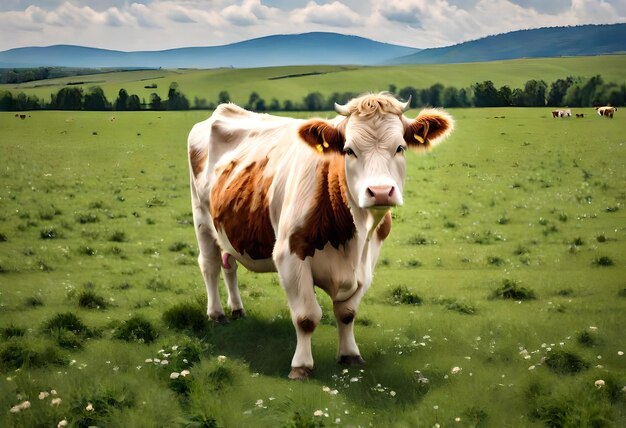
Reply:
x=348, y=151
x=400, y=149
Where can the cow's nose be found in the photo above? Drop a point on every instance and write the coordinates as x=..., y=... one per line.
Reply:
x=382, y=195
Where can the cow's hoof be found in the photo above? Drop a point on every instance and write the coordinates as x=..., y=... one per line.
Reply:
x=350, y=360
x=219, y=319
x=300, y=373
x=238, y=314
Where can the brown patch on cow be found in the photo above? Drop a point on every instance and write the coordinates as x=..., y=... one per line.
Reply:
x=322, y=136
x=384, y=228
x=197, y=158
x=329, y=219
x=240, y=208
x=306, y=325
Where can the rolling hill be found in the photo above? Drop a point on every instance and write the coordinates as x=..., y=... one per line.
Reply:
x=538, y=43
x=277, y=50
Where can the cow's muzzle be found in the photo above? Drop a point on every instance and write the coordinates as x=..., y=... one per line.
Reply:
x=381, y=196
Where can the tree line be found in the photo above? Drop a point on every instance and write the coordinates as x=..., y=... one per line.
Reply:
x=571, y=92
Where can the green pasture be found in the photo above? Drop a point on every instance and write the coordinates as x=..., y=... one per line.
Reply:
x=499, y=299
x=294, y=82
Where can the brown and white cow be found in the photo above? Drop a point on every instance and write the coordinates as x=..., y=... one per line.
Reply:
x=309, y=199
x=606, y=111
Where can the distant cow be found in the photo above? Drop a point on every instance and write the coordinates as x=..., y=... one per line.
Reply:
x=309, y=199
x=22, y=116
x=562, y=113
x=580, y=114
x=606, y=111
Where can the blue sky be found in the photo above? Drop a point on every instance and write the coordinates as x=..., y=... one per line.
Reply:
x=163, y=24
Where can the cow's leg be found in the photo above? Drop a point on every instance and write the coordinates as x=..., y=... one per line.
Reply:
x=348, y=351
x=210, y=262
x=297, y=280
x=229, y=269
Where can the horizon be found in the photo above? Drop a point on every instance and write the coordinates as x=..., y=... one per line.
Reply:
x=156, y=25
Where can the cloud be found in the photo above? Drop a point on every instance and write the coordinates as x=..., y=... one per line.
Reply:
x=163, y=24
x=333, y=14
x=250, y=12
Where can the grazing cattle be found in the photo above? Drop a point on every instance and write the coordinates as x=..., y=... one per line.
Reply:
x=580, y=114
x=606, y=111
x=22, y=116
x=562, y=113
x=309, y=199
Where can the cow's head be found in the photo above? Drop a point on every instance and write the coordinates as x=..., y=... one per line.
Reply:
x=373, y=137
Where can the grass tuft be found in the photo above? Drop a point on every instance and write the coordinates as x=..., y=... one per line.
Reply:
x=402, y=295
x=511, y=289
x=12, y=331
x=603, y=261
x=89, y=300
x=565, y=362
x=49, y=232
x=18, y=355
x=118, y=236
x=68, y=330
x=136, y=329
x=186, y=316
x=33, y=301
x=587, y=338
x=300, y=421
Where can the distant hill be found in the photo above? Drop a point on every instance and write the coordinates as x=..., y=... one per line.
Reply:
x=581, y=40
x=278, y=50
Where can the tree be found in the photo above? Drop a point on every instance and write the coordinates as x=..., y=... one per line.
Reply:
x=252, y=100
x=95, y=99
x=433, y=95
x=410, y=92
x=535, y=93
x=122, y=100
x=6, y=101
x=557, y=92
x=155, y=101
x=505, y=96
x=133, y=103
x=68, y=99
x=451, y=97
x=392, y=89
x=314, y=101
x=485, y=94
x=223, y=97
x=175, y=99
x=274, y=105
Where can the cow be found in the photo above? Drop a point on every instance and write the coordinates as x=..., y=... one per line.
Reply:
x=606, y=111
x=562, y=113
x=580, y=115
x=309, y=199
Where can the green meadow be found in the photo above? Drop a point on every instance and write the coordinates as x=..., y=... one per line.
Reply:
x=293, y=83
x=499, y=298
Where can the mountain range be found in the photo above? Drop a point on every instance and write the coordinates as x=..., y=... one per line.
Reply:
x=331, y=48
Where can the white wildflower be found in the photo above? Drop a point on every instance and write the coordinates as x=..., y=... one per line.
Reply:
x=53, y=392
x=620, y=353
x=344, y=371
x=62, y=424
x=174, y=375
x=593, y=328
x=325, y=389
x=55, y=401
x=43, y=395
x=175, y=347
x=318, y=413
x=457, y=419
x=25, y=405
x=148, y=360
x=221, y=358
x=334, y=392
x=599, y=383
x=531, y=368
x=89, y=407
x=185, y=373
x=15, y=409
x=456, y=370
x=354, y=379
x=164, y=362
x=259, y=403
x=392, y=393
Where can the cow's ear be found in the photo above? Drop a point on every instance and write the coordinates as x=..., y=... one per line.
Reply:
x=428, y=129
x=322, y=136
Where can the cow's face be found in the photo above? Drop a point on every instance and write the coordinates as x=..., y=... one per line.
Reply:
x=374, y=149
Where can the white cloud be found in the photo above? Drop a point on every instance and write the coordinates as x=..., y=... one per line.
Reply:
x=333, y=14
x=163, y=24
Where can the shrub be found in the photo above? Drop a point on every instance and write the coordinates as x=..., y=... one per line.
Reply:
x=118, y=236
x=603, y=261
x=587, y=338
x=84, y=218
x=68, y=330
x=402, y=295
x=33, y=301
x=49, y=232
x=495, y=261
x=177, y=246
x=511, y=289
x=12, y=331
x=103, y=403
x=136, y=329
x=564, y=362
x=186, y=316
x=420, y=240
x=15, y=355
x=86, y=250
x=90, y=300
x=3, y=237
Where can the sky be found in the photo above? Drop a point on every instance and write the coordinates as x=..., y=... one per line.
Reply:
x=131, y=25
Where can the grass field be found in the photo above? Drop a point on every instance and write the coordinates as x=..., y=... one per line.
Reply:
x=268, y=82
x=499, y=298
